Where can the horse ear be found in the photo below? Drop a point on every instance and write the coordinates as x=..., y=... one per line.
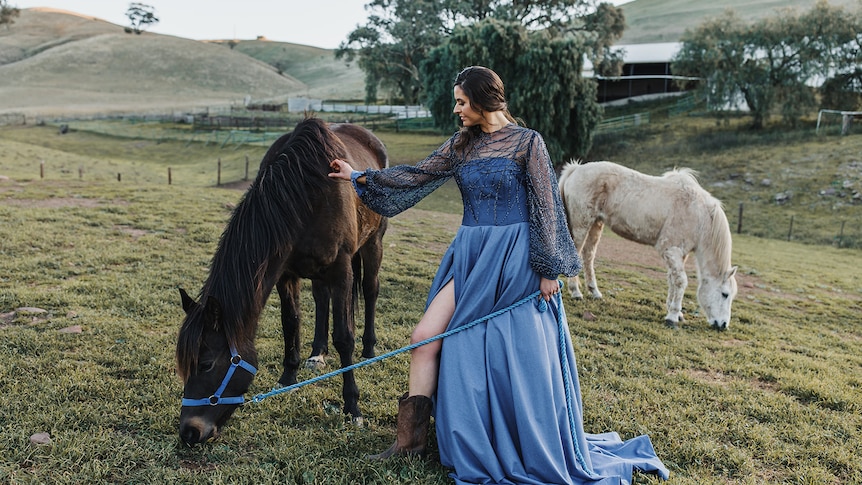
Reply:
x=213, y=310
x=188, y=302
x=732, y=272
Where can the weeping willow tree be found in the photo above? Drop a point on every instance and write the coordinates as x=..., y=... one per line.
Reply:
x=542, y=72
x=414, y=48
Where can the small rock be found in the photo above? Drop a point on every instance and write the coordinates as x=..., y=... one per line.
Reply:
x=589, y=316
x=30, y=309
x=72, y=329
x=748, y=284
x=40, y=439
x=782, y=197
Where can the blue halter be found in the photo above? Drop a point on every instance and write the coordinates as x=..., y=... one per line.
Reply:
x=215, y=399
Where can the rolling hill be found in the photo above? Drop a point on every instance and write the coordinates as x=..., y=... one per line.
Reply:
x=54, y=62
x=60, y=62
x=649, y=21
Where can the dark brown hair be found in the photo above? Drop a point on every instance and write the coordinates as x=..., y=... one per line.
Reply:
x=484, y=88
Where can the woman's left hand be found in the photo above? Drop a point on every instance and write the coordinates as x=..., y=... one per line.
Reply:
x=340, y=169
x=549, y=288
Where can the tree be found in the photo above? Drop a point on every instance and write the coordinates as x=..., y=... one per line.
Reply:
x=770, y=62
x=140, y=16
x=841, y=36
x=8, y=13
x=555, y=99
x=399, y=34
x=392, y=45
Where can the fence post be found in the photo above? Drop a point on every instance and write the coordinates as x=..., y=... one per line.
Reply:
x=739, y=220
x=42, y=169
x=841, y=235
x=169, y=175
x=119, y=177
x=246, y=168
x=218, y=179
x=790, y=231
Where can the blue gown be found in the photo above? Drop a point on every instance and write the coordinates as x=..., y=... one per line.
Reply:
x=508, y=407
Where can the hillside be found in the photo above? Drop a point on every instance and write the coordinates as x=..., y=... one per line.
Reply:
x=650, y=21
x=324, y=76
x=57, y=62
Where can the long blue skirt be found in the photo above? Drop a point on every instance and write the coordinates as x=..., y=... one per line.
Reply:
x=505, y=410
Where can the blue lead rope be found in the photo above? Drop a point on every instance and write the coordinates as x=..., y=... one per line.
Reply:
x=543, y=306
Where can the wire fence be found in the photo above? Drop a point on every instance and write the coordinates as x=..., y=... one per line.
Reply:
x=235, y=168
x=238, y=170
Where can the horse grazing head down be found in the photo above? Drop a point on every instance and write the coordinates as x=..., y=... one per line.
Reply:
x=716, y=287
x=671, y=213
x=215, y=373
x=715, y=295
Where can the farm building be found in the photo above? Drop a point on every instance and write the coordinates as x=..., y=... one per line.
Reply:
x=646, y=71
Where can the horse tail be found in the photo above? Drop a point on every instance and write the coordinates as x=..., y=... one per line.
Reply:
x=565, y=174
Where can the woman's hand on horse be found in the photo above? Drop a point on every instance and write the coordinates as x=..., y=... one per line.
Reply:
x=341, y=169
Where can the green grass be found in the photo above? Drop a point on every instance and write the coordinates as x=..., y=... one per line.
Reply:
x=775, y=399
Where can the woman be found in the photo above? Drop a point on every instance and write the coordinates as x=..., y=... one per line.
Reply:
x=508, y=407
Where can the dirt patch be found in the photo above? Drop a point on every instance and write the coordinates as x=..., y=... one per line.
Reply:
x=238, y=185
x=54, y=202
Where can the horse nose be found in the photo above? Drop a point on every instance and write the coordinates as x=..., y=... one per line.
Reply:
x=189, y=435
x=720, y=326
x=192, y=435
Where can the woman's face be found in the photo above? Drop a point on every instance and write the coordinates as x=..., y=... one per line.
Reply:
x=464, y=110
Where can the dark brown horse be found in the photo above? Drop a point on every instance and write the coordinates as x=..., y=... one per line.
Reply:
x=293, y=222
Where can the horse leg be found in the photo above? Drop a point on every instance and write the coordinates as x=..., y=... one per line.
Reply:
x=319, y=347
x=343, y=333
x=371, y=255
x=578, y=237
x=288, y=292
x=591, y=243
x=677, y=281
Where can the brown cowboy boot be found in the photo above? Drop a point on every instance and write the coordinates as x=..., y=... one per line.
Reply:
x=414, y=417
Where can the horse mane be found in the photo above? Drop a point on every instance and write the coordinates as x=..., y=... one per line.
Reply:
x=683, y=172
x=716, y=236
x=264, y=223
x=720, y=241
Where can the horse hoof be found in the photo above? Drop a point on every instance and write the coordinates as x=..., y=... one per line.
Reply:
x=671, y=324
x=358, y=421
x=316, y=363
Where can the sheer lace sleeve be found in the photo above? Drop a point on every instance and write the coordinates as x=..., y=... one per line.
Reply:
x=552, y=251
x=395, y=189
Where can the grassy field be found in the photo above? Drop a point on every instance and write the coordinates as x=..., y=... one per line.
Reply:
x=89, y=311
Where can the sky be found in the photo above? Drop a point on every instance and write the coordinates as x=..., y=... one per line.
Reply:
x=318, y=23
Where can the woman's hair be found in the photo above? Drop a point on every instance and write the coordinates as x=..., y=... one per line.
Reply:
x=484, y=88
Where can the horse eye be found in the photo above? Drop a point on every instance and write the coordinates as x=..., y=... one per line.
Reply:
x=204, y=367
x=725, y=295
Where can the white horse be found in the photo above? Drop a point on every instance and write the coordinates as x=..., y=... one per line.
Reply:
x=672, y=213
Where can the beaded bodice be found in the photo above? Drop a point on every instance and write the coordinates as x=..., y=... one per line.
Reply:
x=505, y=177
